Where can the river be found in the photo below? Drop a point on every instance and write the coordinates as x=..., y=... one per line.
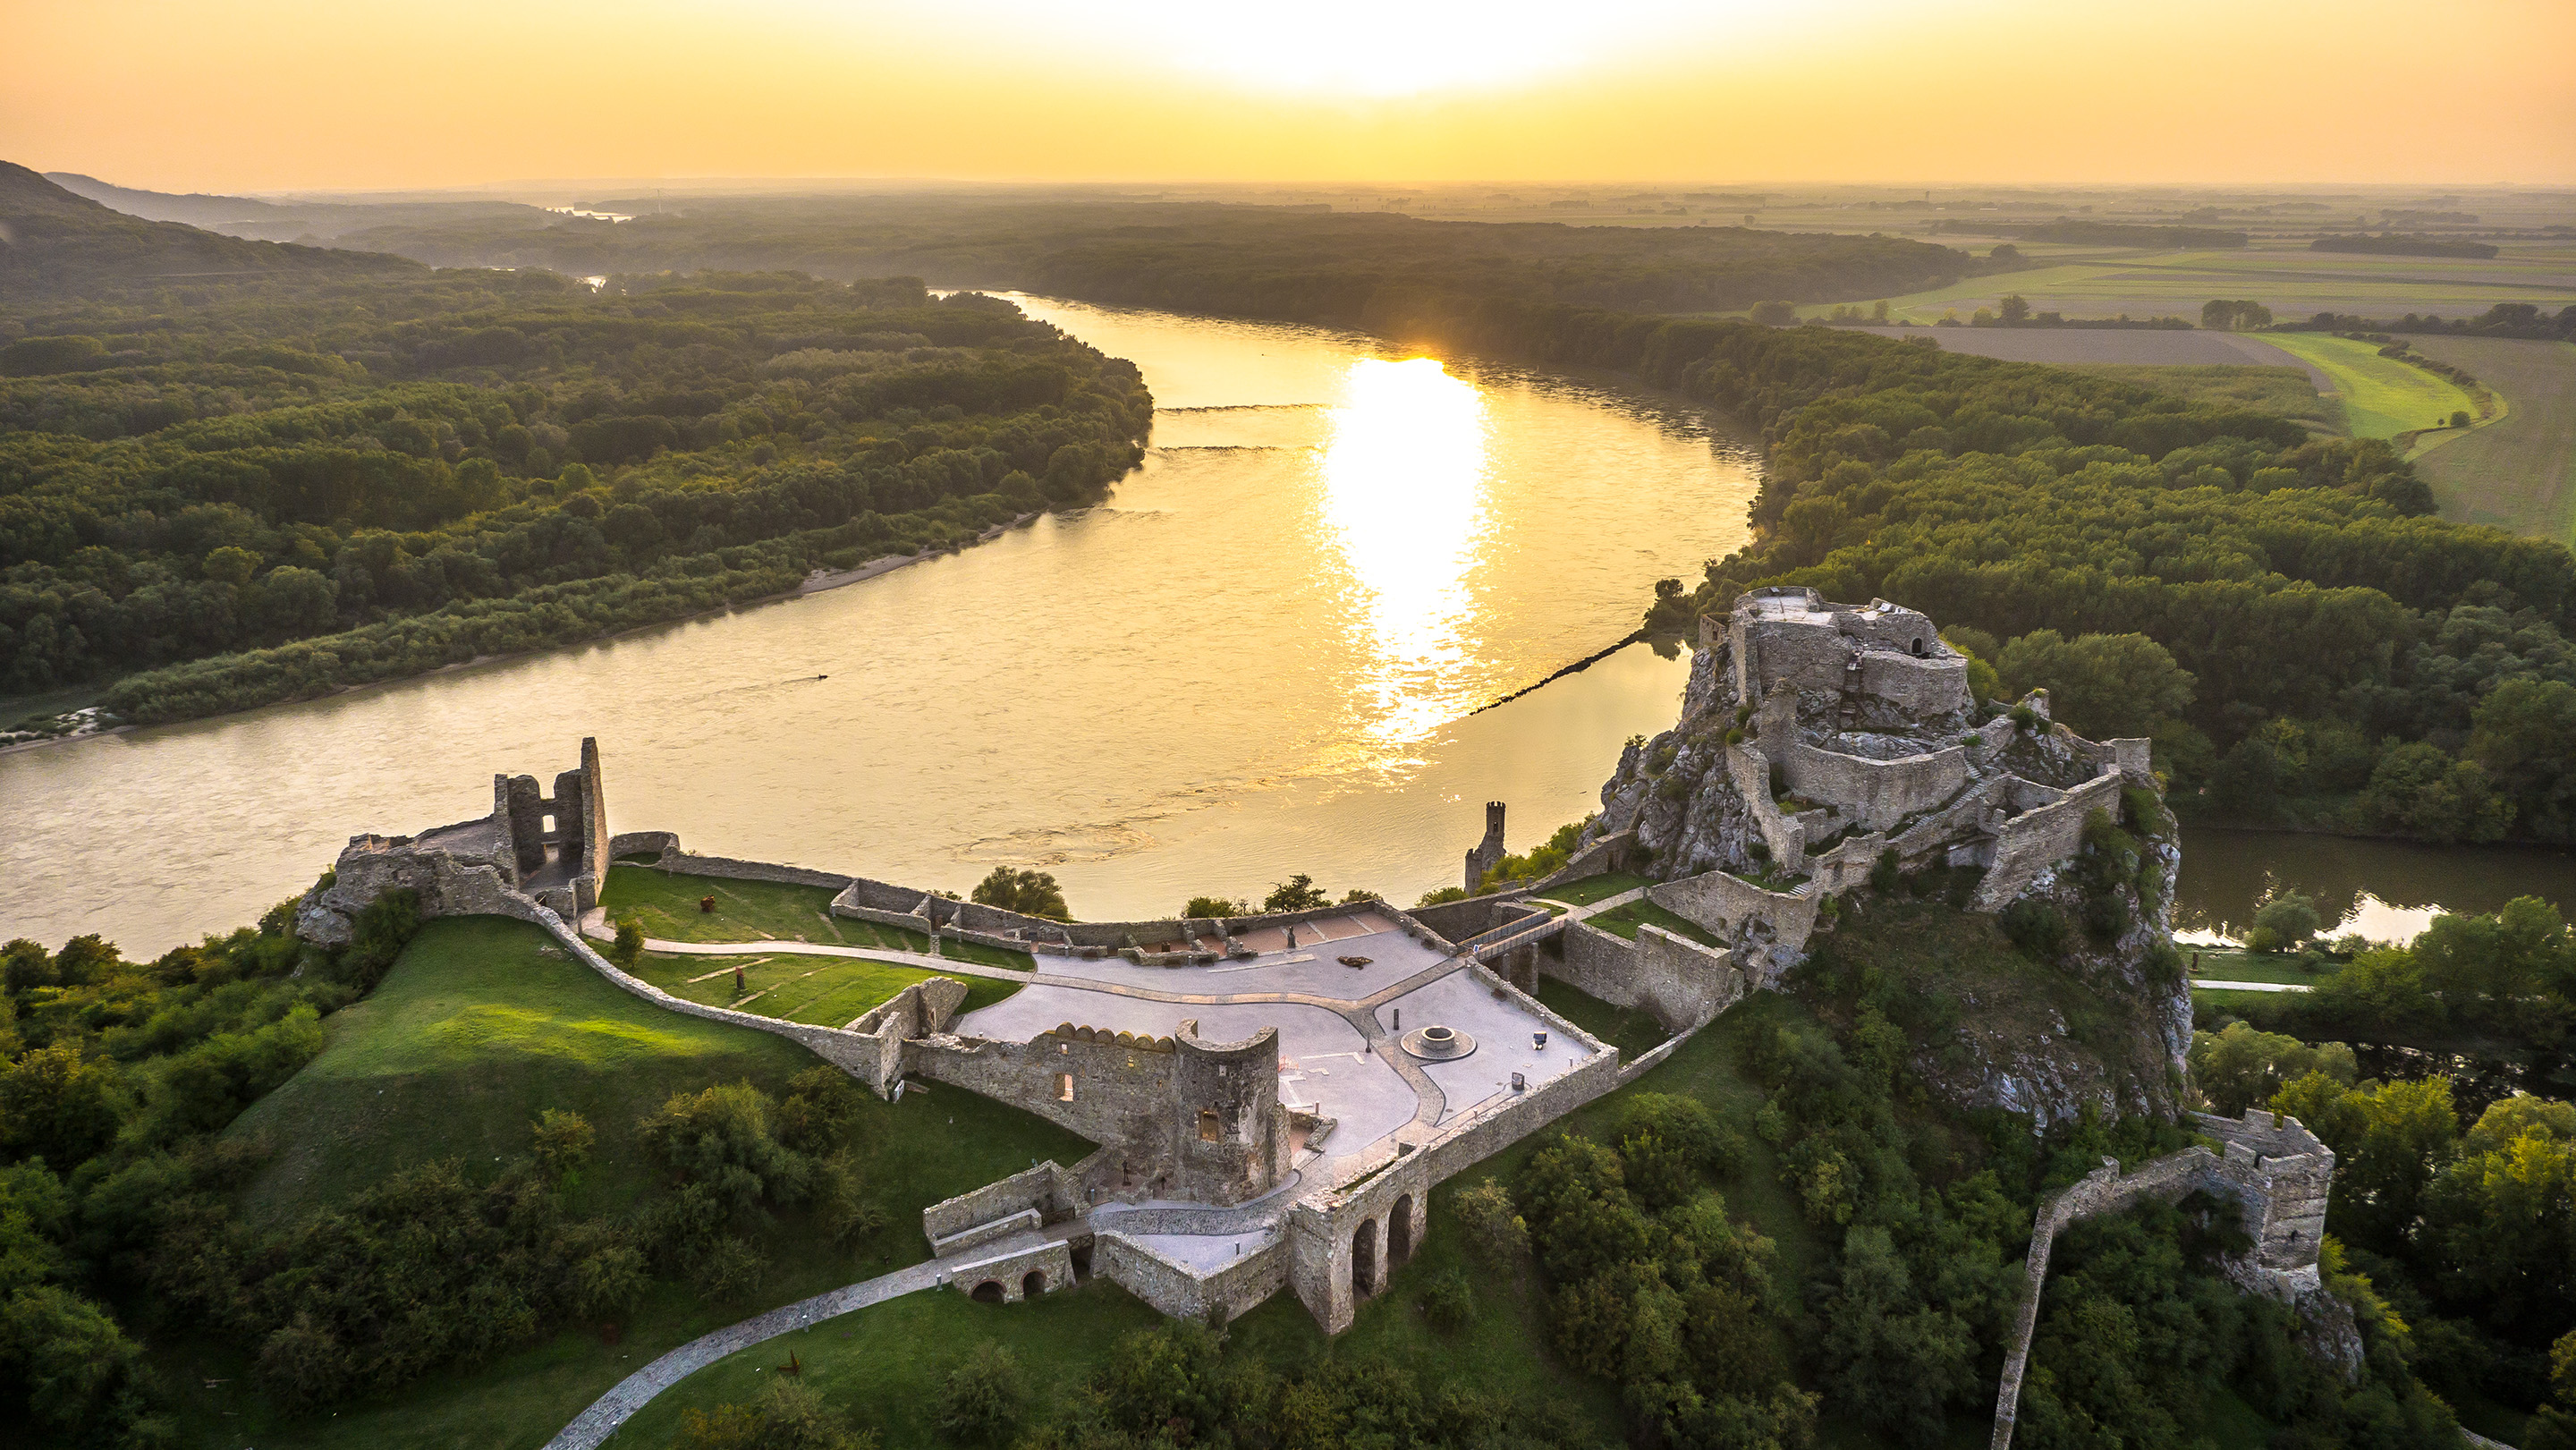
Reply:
x=1263, y=655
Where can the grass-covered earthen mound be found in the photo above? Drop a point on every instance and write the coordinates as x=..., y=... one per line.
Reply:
x=482, y=1025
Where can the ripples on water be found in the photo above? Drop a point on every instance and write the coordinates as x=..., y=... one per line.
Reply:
x=1258, y=657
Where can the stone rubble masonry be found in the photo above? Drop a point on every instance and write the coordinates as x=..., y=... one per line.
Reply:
x=2273, y=1166
x=2038, y=840
x=1769, y=929
x=1487, y=852
x=1184, y=1292
x=1051, y=1261
x=1676, y=981
x=1047, y=1192
x=1876, y=794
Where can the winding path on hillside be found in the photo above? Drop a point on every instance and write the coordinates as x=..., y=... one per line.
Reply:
x=605, y=1414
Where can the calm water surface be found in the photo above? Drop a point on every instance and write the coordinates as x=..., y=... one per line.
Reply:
x=1261, y=656
x=2384, y=890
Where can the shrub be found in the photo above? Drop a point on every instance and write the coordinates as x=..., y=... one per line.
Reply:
x=1884, y=873
x=981, y=1400
x=629, y=946
x=1448, y=1304
x=2036, y=927
x=2289, y=919
x=728, y=1271
x=1490, y=1222
x=563, y=1143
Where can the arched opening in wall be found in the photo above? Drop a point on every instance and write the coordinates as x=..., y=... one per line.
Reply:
x=1399, y=1232
x=989, y=1292
x=1364, y=1259
x=1918, y=647
x=1082, y=1261
x=1034, y=1285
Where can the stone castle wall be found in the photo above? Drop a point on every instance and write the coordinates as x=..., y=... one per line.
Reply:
x=2273, y=1166
x=1046, y=1191
x=1876, y=794
x=1676, y=981
x=2037, y=840
x=1926, y=688
x=1183, y=1292
x=1725, y=904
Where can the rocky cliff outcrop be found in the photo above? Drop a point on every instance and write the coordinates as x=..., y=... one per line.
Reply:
x=1835, y=751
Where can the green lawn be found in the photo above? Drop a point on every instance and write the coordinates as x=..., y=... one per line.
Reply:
x=1623, y=921
x=2236, y=966
x=1632, y=1030
x=1597, y=888
x=825, y=991
x=2382, y=397
x=665, y=906
x=482, y=1023
x=2518, y=472
x=883, y=1365
x=2287, y=391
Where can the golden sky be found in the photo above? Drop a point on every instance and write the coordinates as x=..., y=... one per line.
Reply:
x=254, y=95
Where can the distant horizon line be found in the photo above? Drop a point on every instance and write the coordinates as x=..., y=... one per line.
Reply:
x=776, y=185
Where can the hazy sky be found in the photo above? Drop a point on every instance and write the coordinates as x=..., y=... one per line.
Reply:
x=269, y=94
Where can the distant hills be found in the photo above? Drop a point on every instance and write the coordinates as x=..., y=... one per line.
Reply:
x=55, y=245
x=235, y=215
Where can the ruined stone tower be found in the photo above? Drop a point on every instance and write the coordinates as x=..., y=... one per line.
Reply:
x=1489, y=850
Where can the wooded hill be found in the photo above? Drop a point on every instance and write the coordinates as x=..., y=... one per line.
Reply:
x=54, y=245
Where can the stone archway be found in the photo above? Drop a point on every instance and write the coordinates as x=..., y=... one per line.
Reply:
x=1399, y=1233
x=1364, y=1260
x=1034, y=1285
x=990, y=1292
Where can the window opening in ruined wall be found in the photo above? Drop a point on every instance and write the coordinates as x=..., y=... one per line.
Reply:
x=1064, y=1087
x=1211, y=1127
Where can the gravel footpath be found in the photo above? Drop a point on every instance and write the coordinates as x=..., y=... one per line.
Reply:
x=632, y=1393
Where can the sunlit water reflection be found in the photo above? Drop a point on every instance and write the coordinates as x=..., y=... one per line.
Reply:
x=1259, y=657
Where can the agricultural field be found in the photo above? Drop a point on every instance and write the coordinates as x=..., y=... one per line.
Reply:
x=2518, y=472
x=2382, y=396
x=2284, y=276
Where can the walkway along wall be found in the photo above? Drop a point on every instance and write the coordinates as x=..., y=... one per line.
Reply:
x=2272, y=1165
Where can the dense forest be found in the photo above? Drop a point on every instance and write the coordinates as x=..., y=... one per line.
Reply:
x=234, y=494
x=1283, y=262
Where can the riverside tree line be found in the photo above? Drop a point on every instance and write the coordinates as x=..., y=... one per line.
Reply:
x=288, y=491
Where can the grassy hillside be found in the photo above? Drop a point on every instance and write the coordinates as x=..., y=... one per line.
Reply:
x=884, y=1365
x=482, y=1023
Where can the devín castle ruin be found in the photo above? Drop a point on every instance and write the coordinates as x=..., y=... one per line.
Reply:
x=1275, y=1096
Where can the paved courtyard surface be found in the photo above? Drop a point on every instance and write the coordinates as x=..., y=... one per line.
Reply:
x=1502, y=1029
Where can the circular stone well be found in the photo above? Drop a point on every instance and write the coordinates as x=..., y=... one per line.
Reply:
x=1438, y=1044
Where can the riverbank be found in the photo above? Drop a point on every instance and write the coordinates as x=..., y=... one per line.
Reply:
x=817, y=582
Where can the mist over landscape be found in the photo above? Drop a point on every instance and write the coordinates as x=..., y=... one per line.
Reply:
x=1715, y=727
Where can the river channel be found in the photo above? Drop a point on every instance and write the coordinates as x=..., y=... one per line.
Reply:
x=1263, y=655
